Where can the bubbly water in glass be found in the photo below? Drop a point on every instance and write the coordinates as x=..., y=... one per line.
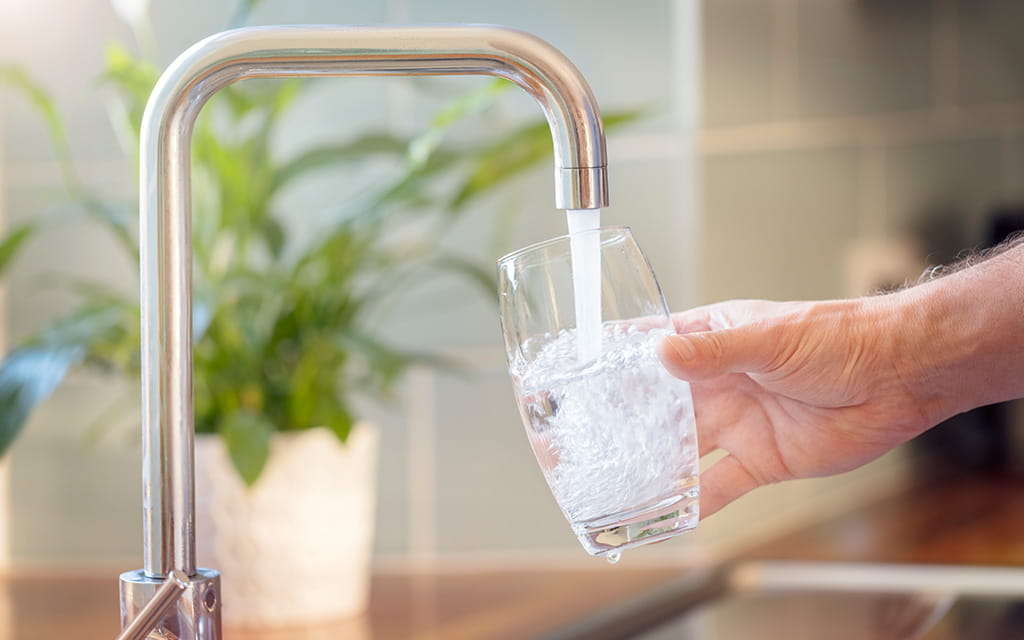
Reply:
x=614, y=438
x=614, y=433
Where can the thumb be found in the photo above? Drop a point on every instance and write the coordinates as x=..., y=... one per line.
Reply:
x=709, y=354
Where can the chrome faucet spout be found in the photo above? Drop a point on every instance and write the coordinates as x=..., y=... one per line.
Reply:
x=165, y=210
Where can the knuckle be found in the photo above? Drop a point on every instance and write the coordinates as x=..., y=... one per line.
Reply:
x=714, y=346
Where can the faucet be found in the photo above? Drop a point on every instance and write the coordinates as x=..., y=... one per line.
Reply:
x=170, y=597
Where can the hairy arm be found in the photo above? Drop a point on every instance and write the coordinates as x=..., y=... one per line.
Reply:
x=970, y=338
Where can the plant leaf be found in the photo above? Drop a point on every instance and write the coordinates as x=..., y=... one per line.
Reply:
x=43, y=103
x=247, y=438
x=27, y=377
x=33, y=371
x=386, y=363
x=274, y=236
x=339, y=422
x=472, y=271
x=39, y=98
x=356, y=150
x=134, y=80
x=424, y=145
x=117, y=220
x=96, y=294
x=10, y=245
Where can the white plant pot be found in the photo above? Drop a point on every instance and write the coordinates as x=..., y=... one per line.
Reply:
x=295, y=548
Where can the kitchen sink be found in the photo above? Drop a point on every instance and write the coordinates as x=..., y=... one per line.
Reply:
x=819, y=600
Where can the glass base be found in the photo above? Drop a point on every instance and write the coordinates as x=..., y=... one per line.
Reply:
x=650, y=523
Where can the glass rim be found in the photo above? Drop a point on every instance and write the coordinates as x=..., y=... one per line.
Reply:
x=508, y=257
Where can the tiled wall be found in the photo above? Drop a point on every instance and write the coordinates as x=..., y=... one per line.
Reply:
x=832, y=123
x=826, y=124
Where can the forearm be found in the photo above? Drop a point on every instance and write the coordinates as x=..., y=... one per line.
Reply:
x=964, y=335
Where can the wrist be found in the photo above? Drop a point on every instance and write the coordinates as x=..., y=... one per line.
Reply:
x=961, y=337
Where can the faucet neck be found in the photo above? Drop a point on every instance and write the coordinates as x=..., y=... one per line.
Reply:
x=165, y=200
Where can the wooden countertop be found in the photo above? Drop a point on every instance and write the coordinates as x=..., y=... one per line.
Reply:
x=421, y=606
x=977, y=520
x=954, y=519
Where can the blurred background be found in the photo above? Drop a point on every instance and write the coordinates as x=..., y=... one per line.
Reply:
x=788, y=149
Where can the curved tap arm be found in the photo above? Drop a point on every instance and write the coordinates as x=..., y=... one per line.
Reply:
x=166, y=243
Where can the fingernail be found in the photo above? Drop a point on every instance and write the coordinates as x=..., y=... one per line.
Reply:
x=683, y=347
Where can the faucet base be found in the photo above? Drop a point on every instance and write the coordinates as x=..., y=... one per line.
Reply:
x=197, y=614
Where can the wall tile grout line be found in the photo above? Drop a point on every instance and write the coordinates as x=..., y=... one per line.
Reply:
x=991, y=120
x=401, y=99
x=872, y=190
x=687, y=226
x=649, y=146
x=398, y=11
x=945, y=62
x=3, y=224
x=1012, y=166
x=785, y=57
x=421, y=405
x=627, y=146
x=5, y=466
x=46, y=173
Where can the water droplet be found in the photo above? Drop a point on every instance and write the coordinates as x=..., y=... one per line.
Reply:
x=614, y=557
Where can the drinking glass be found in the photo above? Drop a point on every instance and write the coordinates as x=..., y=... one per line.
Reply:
x=613, y=432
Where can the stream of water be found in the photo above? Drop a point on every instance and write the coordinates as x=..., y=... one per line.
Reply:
x=585, y=245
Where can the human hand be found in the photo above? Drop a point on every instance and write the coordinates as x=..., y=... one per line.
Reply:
x=802, y=389
x=797, y=389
